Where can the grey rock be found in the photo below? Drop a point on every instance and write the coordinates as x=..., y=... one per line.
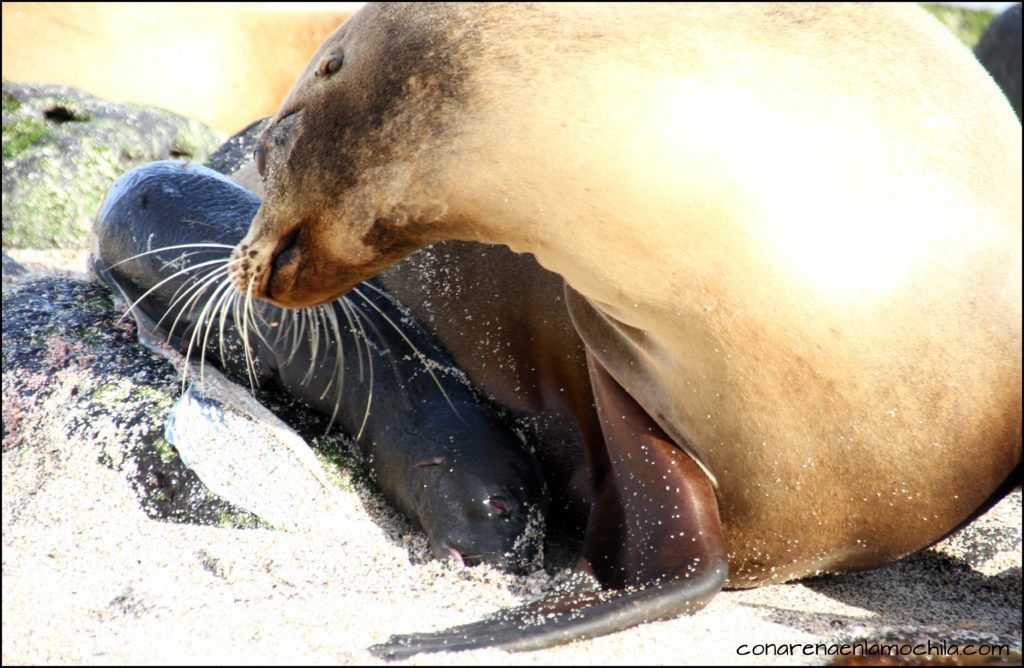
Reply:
x=73, y=370
x=13, y=271
x=62, y=148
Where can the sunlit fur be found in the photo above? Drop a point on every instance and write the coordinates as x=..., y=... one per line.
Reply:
x=791, y=232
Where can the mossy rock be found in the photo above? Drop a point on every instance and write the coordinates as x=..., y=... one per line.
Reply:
x=74, y=373
x=62, y=149
x=966, y=24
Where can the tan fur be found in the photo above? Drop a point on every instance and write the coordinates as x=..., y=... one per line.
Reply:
x=791, y=233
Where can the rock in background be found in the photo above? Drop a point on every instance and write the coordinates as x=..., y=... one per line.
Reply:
x=73, y=371
x=63, y=148
x=13, y=271
x=966, y=23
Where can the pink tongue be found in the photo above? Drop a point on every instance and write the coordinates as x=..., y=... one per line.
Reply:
x=457, y=555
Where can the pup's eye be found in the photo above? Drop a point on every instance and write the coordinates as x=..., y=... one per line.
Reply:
x=329, y=66
x=500, y=504
x=261, y=159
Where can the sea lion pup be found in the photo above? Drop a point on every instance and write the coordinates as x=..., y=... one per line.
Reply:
x=435, y=450
x=790, y=237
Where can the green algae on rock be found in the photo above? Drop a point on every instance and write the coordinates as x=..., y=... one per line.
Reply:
x=62, y=149
x=967, y=24
x=72, y=370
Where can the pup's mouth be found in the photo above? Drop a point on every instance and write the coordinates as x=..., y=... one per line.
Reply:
x=466, y=559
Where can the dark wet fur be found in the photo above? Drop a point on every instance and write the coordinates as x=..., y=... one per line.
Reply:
x=374, y=386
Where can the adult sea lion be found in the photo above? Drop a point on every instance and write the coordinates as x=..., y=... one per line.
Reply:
x=436, y=451
x=794, y=263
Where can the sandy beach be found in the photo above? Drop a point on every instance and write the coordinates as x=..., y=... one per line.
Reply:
x=88, y=577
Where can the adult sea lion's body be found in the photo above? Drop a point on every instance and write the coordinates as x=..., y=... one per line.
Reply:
x=790, y=238
x=435, y=450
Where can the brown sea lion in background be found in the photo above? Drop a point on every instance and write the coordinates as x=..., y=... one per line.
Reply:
x=790, y=238
x=221, y=64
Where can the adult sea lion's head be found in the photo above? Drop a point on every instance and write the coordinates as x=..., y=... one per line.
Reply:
x=354, y=163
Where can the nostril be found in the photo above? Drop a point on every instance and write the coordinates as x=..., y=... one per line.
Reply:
x=286, y=250
x=261, y=159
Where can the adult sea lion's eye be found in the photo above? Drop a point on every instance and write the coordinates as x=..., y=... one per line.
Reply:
x=329, y=66
x=261, y=159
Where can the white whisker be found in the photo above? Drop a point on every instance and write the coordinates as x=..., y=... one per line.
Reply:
x=339, y=365
x=205, y=244
x=405, y=338
x=346, y=309
x=209, y=311
x=250, y=362
x=197, y=325
x=369, y=358
x=193, y=293
x=314, y=343
x=224, y=306
x=169, y=278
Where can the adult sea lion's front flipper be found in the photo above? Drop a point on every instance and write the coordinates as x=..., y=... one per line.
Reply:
x=654, y=531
